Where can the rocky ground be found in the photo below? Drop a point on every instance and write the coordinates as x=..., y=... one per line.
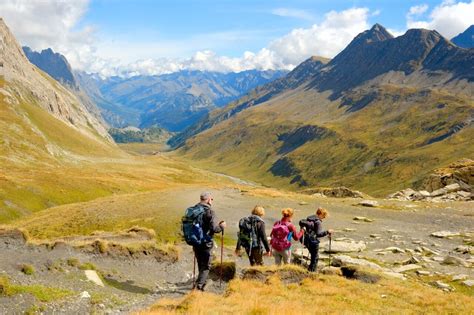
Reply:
x=401, y=238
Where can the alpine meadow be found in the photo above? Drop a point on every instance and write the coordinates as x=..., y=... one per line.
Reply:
x=255, y=157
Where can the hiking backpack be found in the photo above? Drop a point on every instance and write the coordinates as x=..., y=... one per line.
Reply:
x=248, y=235
x=192, y=225
x=310, y=237
x=280, y=232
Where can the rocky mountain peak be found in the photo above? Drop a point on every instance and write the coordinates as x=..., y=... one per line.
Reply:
x=377, y=33
x=465, y=39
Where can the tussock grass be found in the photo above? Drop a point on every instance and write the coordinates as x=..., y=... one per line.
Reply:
x=322, y=294
x=41, y=293
x=27, y=269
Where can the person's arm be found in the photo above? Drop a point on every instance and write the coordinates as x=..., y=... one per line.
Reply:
x=319, y=229
x=214, y=226
x=296, y=236
x=238, y=246
x=263, y=236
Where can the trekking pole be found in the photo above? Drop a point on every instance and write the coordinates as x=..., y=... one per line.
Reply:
x=222, y=254
x=194, y=271
x=330, y=241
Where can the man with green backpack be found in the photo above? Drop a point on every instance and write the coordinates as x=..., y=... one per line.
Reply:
x=199, y=225
x=252, y=236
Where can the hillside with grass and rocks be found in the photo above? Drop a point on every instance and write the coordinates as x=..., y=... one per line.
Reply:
x=90, y=218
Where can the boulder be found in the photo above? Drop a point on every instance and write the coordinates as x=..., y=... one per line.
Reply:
x=442, y=285
x=335, y=192
x=445, y=234
x=423, y=272
x=343, y=260
x=345, y=247
x=394, y=275
x=406, y=268
x=468, y=283
x=92, y=276
x=465, y=249
x=460, y=277
x=331, y=271
x=368, y=203
x=439, y=192
x=454, y=261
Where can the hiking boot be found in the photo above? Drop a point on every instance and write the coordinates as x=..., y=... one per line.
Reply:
x=200, y=287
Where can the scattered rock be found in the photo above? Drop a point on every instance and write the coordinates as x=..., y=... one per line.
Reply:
x=394, y=275
x=455, y=261
x=331, y=271
x=465, y=249
x=468, y=283
x=345, y=247
x=363, y=219
x=85, y=295
x=394, y=250
x=92, y=276
x=445, y=234
x=335, y=192
x=441, y=285
x=460, y=277
x=303, y=203
x=349, y=230
x=343, y=260
x=423, y=272
x=406, y=268
x=376, y=236
x=368, y=203
x=351, y=272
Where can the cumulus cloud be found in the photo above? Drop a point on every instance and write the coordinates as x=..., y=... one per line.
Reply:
x=57, y=25
x=417, y=10
x=449, y=18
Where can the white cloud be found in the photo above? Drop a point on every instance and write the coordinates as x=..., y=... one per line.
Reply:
x=293, y=13
x=418, y=10
x=57, y=24
x=449, y=18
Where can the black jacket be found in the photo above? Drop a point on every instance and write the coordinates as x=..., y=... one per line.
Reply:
x=210, y=226
x=314, y=224
x=262, y=236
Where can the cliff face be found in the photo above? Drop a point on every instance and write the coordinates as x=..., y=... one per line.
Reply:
x=24, y=82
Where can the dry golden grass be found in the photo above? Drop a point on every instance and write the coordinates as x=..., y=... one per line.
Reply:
x=323, y=295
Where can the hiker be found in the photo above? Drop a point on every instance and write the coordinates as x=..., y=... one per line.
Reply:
x=313, y=232
x=252, y=236
x=199, y=226
x=282, y=233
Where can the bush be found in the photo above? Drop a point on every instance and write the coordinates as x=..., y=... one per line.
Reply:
x=27, y=269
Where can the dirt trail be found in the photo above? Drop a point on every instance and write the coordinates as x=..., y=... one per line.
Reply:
x=135, y=283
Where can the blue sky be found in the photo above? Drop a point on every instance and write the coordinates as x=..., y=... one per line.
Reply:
x=120, y=37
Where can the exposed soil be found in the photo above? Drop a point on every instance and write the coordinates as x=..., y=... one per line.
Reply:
x=135, y=282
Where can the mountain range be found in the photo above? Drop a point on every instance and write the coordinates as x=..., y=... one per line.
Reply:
x=378, y=116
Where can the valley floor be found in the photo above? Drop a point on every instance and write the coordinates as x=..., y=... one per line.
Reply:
x=134, y=282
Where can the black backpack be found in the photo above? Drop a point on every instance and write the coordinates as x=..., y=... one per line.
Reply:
x=310, y=237
x=192, y=226
x=248, y=235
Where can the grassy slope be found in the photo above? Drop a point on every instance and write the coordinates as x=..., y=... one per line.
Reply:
x=378, y=149
x=324, y=295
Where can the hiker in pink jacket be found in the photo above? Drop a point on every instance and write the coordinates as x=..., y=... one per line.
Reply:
x=282, y=233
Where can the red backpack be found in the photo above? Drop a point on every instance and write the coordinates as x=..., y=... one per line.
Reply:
x=279, y=236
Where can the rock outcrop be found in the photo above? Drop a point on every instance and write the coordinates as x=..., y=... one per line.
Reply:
x=454, y=182
x=335, y=192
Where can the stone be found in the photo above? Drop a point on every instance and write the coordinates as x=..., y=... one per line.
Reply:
x=376, y=236
x=303, y=203
x=349, y=230
x=394, y=250
x=424, y=193
x=406, y=268
x=460, y=277
x=319, y=195
x=464, y=249
x=331, y=271
x=452, y=187
x=427, y=250
x=411, y=260
x=368, y=203
x=394, y=275
x=423, y=272
x=442, y=285
x=417, y=242
x=468, y=283
x=92, y=276
x=343, y=260
x=445, y=234
x=85, y=295
x=345, y=247
x=464, y=194
x=437, y=259
x=439, y=192
x=454, y=261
